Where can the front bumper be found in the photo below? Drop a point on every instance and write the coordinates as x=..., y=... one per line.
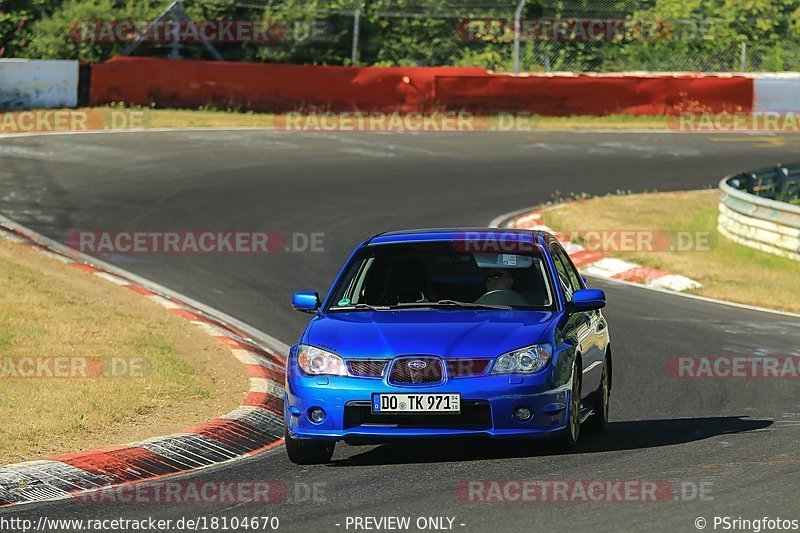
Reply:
x=488, y=403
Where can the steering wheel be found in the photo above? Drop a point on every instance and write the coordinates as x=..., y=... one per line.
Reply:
x=502, y=297
x=407, y=295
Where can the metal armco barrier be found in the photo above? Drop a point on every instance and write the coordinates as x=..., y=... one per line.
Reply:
x=755, y=209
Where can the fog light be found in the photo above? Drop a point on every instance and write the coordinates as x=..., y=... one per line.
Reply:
x=316, y=415
x=523, y=414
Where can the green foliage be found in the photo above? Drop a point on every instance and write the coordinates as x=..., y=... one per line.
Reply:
x=689, y=34
x=58, y=36
x=16, y=19
x=713, y=32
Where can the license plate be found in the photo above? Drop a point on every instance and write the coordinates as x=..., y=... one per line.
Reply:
x=416, y=403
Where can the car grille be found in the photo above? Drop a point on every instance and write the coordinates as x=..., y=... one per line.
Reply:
x=366, y=368
x=403, y=373
x=475, y=414
x=457, y=368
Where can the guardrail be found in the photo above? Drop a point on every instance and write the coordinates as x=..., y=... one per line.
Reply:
x=761, y=209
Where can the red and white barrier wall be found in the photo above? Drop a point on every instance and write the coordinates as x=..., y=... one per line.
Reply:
x=26, y=84
x=280, y=88
x=776, y=92
x=567, y=94
x=276, y=87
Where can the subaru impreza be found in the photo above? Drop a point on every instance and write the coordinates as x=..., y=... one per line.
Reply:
x=449, y=333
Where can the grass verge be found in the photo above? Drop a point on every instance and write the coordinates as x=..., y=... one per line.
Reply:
x=175, y=118
x=120, y=118
x=727, y=270
x=170, y=376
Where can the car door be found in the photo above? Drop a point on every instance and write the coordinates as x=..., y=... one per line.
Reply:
x=586, y=322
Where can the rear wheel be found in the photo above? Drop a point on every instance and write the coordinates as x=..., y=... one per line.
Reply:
x=308, y=452
x=598, y=422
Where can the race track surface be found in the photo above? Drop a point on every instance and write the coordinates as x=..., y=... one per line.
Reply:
x=739, y=437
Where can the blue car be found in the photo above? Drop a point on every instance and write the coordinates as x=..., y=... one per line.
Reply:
x=449, y=333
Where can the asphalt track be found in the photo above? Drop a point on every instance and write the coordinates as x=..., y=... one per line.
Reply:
x=738, y=435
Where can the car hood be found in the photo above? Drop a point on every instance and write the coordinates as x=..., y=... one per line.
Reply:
x=456, y=333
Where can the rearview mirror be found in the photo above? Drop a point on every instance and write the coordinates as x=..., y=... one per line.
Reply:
x=307, y=302
x=588, y=300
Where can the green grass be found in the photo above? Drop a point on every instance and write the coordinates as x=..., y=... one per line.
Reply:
x=210, y=117
x=49, y=310
x=728, y=271
x=166, y=118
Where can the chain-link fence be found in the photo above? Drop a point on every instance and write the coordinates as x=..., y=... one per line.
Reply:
x=567, y=35
x=500, y=35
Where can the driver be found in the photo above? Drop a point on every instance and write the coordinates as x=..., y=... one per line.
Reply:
x=498, y=279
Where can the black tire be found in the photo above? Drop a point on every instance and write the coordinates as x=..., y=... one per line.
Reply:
x=568, y=437
x=308, y=452
x=598, y=422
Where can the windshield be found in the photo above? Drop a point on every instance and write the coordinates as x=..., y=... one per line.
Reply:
x=438, y=274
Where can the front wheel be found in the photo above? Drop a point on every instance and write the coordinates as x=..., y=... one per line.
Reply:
x=568, y=438
x=598, y=422
x=308, y=452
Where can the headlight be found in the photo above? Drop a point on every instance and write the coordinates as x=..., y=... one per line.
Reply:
x=523, y=361
x=317, y=362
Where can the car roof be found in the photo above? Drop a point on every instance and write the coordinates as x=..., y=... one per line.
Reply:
x=457, y=234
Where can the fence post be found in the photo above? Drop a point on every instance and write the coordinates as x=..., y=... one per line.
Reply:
x=356, y=32
x=744, y=56
x=782, y=183
x=176, y=41
x=517, y=32
x=175, y=8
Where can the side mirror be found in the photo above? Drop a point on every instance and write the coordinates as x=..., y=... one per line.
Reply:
x=307, y=302
x=588, y=300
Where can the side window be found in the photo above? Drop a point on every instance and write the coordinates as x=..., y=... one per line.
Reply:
x=353, y=292
x=563, y=269
x=574, y=277
x=359, y=289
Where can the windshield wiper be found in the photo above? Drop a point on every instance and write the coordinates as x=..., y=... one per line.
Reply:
x=455, y=303
x=361, y=306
